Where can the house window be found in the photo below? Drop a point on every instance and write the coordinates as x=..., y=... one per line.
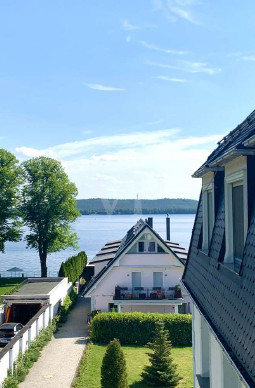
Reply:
x=236, y=217
x=151, y=246
x=136, y=279
x=141, y=246
x=158, y=279
x=160, y=249
x=210, y=218
x=238, y=224
x=208, y=214
x=146, y=246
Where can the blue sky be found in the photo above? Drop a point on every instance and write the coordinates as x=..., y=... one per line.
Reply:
x=130, y=95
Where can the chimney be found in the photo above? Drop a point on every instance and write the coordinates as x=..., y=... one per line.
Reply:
x=150, y=222
x=168, y=228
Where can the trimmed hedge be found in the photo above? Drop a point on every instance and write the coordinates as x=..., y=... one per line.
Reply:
x=138, y=328
x=73, y=267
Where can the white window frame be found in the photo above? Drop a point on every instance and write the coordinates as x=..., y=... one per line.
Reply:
x=234, y=179
x=146, y=245
x=140, y=277
x=163, y=280
x=207, y=187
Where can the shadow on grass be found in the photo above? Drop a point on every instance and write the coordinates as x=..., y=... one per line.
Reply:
x=140, y=384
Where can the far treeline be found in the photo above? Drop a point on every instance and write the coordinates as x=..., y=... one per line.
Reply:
x=141, y=206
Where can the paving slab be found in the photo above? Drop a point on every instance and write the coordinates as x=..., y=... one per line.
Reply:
x=60, y=358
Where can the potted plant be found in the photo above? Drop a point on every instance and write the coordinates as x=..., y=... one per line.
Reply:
x=178, y=292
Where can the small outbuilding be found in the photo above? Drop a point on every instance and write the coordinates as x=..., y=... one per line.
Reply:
x=32, y=295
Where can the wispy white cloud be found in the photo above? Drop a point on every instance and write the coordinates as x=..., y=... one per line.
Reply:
x=169, y=79
x=156, y=122
x=249, y=58
x=189, y=67
x=128, y=39
x=177, y=9
x=241, y=56
x=134, y=139
x=184, y=14
x=104, y=88
x=163, y=50
x=123, y=165
x=127, y=26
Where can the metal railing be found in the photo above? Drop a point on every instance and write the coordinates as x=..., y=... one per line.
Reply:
x=145, y=293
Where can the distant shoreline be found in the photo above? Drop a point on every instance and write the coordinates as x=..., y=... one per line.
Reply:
x=135, y=206
x=127, y=214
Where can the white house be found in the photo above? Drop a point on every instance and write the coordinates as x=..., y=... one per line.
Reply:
x=139, y=273
x=220, y=270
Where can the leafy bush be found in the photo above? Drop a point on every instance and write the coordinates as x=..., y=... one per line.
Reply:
x=162, y=372
x=113, y=370
x=73, y=267
x=138, y=328
x=64, y=308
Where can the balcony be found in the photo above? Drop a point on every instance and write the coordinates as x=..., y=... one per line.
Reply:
x=142, y=293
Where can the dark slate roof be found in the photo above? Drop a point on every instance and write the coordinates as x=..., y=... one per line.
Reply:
x=225, y=298
x=112, y=250
x=232, y=144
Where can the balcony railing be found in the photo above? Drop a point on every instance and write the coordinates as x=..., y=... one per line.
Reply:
x=142, y=293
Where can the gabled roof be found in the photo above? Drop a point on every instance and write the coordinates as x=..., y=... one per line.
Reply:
x=232, y=145
x=225, y=298
x=113, y=250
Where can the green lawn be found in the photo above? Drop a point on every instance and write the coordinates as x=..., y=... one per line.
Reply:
x=7, y=284
x=136, y=358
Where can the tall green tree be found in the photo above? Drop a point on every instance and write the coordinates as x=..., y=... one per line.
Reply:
x=162, y=372
x=48, y=207
x=10, y=180
x=113, y=370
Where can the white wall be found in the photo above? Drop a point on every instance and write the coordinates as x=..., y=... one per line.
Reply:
x=57, y=295
x=164, y=259
x=216, y=364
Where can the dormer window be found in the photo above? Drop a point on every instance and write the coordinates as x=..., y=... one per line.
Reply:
x=146, y=246
x=236, y=207
x=238, y=223
x=141, y=246
x=208, y=210
x=151, y=246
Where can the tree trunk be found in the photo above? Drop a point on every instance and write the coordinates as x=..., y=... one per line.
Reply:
x=43, y=258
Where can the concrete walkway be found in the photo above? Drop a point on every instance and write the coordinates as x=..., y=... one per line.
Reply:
x=60, y=358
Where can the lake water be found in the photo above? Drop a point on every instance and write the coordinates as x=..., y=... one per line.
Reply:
x=93, y=232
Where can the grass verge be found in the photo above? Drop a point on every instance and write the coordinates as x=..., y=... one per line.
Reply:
x=10, y=285
x=89, y=372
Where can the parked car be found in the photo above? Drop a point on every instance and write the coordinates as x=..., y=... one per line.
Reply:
x=8, y=331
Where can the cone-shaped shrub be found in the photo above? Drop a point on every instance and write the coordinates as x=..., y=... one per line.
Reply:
x=113, y=370
x=162, y=372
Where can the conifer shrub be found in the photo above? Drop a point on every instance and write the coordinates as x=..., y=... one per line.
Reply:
x=138, y=328
x=113, y=370
x=73, y=267
x=162, y=372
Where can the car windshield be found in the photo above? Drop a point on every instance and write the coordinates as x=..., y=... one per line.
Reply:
x=6, y=331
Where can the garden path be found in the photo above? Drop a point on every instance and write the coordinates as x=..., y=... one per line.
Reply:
x=60, y=358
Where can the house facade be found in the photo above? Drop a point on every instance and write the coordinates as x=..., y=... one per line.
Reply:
x=141, y=272
x=220, y=271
